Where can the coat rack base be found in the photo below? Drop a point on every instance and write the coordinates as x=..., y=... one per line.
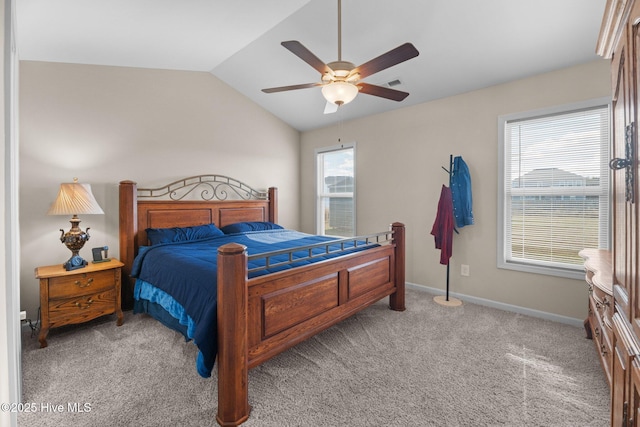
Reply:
x=451, y=302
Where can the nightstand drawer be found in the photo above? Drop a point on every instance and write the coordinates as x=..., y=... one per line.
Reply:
x=81, y=309
x=80, y=284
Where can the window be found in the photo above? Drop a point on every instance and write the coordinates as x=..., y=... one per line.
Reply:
x=553, y=196
x=336, y=186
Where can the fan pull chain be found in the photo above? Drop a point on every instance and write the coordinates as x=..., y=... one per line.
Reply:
x=340, y=121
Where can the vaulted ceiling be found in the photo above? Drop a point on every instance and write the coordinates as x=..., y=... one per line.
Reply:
x=464, y=45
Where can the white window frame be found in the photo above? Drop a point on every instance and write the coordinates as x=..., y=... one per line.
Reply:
x=320, y=195
x=547, y=268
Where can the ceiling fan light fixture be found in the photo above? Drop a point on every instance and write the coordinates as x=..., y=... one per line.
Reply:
x=339, y=92
x=341, y=80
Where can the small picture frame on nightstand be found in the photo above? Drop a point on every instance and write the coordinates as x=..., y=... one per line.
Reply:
x=100, y=254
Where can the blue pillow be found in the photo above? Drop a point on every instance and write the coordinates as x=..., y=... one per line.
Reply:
x=182, y=234
x=242, y=227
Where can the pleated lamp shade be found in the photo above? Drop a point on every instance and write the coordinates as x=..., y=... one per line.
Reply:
x=75, y=198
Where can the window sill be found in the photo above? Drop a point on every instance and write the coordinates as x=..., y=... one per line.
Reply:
x=577, y=274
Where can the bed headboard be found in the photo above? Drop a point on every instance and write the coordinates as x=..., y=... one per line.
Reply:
x=197, y=200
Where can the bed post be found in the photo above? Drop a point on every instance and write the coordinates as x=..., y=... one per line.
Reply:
x=233, y=351
x=396, y=300
x=273, y=204
x=128, y=236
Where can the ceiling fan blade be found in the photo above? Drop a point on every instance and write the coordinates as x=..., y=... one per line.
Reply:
x=292, y=87
x=383, y=92
x=307, y=56
x=330, y=108
x=386, y=60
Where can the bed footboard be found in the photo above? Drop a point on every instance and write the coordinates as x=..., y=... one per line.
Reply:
x=259, y=318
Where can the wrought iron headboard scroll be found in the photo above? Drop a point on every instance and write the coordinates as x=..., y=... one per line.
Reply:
x=211, y=187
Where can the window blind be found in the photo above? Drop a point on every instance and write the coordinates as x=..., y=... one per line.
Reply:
x=556, y=187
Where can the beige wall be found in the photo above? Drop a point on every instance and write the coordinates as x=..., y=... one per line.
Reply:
x=398, y=162
x=106, y=124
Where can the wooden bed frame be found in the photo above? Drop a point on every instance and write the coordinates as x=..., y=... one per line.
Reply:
x=260, y=317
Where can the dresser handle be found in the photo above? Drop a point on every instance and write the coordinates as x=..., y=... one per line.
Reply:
x=596, y=331
x=79, y=305
x=606, y=302
x=80, y=285
x=627, y=163
x=603, y=350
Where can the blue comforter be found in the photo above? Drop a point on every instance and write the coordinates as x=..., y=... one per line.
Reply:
x=181, y=277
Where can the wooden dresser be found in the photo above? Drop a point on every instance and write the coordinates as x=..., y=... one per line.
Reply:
x=599, y=324
x=619, y=40
x=77, y=296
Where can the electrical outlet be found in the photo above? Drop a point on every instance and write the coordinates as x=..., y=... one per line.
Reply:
x=23, y=315
x=464, y=270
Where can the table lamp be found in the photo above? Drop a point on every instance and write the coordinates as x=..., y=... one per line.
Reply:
x=73, y=199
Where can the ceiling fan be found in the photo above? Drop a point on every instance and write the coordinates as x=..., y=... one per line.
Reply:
x=341, y=80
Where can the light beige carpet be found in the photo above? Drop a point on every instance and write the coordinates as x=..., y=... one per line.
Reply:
x=428, y=366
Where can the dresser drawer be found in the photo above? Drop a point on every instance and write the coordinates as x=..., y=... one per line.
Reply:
x=603, y=302
x=81, y=284
x=602, y=338
x=603, y=305
x=594, y=321
x=81, y=309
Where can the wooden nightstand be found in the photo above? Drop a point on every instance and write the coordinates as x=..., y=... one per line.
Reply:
x=78, y=296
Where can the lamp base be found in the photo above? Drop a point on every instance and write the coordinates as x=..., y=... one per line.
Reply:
x=74, y=263
x=74, y=240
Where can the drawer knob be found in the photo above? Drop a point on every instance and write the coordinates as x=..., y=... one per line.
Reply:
x=79, y=284
x=87, y=304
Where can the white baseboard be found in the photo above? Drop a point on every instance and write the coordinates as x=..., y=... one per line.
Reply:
x=501, y=306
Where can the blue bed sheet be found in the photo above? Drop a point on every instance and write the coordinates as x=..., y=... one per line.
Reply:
x=181, y=277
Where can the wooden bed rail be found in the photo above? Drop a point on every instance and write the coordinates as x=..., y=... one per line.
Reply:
x=234, y=314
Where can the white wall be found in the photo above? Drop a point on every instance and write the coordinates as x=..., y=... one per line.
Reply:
x=107, y=124
x=9, y=258
x=399, y=177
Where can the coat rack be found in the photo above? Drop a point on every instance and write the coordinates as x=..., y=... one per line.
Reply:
x=446, y=300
